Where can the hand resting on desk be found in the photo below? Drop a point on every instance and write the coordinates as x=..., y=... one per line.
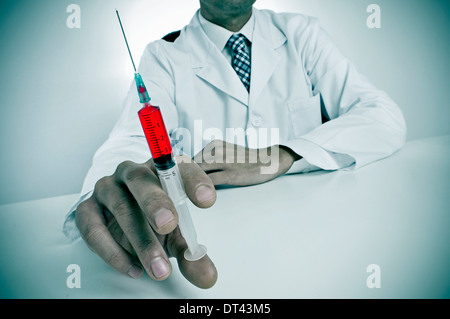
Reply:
x=230, y=164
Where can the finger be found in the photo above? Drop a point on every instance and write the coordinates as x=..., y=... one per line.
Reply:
x=249, y=175
x=137, y=229
x=220, y=178
x=202, y=273
x=92, y=226
x=119, y=236
x=146, y=189
x=197, y=184
x=211, y=157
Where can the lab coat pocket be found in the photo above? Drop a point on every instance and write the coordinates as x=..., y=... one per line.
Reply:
x=305, y=114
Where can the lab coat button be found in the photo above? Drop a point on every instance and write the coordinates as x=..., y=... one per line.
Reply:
x=257, y=121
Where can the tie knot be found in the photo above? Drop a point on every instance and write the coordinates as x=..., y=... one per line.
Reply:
x=237, y=42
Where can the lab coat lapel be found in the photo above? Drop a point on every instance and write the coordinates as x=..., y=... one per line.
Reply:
x=219, y=73
x=210, y=65
x=266, y=41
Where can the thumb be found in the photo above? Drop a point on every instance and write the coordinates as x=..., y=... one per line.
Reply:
x=199, y=187
x=201, y=273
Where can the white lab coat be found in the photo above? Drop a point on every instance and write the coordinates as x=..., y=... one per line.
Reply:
x=297, y=75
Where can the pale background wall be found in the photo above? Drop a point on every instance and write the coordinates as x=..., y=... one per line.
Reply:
x=61, y=89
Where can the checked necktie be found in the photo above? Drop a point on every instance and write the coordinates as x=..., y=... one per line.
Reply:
x=240, y=58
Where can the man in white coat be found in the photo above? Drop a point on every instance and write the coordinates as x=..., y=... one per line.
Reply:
x=239, y=69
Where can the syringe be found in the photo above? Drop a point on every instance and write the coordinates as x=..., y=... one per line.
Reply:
x=169, y=175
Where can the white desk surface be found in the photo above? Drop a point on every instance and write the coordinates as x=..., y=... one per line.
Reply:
x=300, y=236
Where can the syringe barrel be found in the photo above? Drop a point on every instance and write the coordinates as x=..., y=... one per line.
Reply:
x=173, y=185
x=169, y=175
x=156, y=135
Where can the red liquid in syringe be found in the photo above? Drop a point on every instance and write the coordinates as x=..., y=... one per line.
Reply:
x=156, y=135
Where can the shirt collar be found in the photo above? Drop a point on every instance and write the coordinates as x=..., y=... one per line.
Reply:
x=219, y=35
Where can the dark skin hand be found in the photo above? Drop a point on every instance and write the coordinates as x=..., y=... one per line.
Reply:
x=131, y=223
x=247, y=166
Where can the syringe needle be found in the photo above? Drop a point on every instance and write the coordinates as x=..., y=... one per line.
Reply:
x=125, y=37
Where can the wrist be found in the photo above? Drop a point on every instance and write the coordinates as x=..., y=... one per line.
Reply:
x=287, y=157
x=288, y=153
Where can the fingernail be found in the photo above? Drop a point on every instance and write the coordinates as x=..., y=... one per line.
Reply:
x=162, y=217
x=159, y=267
x=204, y=194
x=135, y=271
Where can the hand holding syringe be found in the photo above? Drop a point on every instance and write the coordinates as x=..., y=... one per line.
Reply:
x=167, y=168
x=131, y=223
